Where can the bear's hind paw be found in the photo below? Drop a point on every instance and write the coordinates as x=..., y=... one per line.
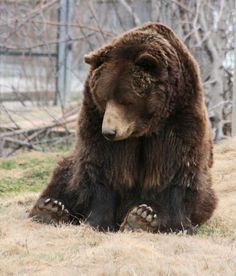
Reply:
x=50, y=211
x=141, y=217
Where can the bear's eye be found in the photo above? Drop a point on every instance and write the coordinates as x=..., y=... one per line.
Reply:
x=125, y=102
x=147, y=62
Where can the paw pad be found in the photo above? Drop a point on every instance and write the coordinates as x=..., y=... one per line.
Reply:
x=141, y=217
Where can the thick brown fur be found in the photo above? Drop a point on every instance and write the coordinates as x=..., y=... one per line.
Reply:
x=146, y=87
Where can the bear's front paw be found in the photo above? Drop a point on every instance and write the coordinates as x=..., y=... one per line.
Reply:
x=141, y=217
x=50, y=211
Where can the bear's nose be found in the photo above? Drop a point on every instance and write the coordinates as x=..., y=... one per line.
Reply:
x=108, y=133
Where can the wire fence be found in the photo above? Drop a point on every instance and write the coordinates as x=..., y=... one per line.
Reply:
x=43, y=42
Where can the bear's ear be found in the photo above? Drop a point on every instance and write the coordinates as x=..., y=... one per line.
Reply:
x=147, y=61
x=97, y=57
x=188, y=61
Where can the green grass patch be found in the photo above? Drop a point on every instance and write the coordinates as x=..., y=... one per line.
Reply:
x=8, y=164
x=28, y=172
x=215, y=227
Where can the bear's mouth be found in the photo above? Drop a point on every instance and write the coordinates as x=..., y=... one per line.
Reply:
x=112, y=135
x=109, y=134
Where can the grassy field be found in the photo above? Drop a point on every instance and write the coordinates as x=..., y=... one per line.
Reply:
x=28, y=248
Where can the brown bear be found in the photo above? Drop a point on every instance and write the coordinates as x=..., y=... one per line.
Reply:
x=144, y=150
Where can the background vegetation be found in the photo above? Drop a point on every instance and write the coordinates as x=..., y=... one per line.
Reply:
x=43, y=42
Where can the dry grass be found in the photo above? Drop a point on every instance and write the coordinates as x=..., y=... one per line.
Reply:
x=28, y=248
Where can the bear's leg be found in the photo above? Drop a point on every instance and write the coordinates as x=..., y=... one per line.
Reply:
x=87, y=200
x=202, y=203
x=167, y=213
x=102, y=209
x=50, y=207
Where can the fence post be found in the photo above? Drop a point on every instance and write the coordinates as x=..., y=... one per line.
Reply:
x=64, y=52
x=234, y=90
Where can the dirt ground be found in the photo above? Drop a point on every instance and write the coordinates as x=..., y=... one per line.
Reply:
x=28, y=248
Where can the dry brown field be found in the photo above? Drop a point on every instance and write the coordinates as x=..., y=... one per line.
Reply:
x=29, y=248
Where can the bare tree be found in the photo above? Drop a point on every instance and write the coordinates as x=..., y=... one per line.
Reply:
x=234, y=92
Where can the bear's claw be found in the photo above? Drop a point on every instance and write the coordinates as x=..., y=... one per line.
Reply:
x=54, y=206
x=50, y=211
x=141, y=217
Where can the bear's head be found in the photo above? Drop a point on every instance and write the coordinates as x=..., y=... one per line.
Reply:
x=137, y=81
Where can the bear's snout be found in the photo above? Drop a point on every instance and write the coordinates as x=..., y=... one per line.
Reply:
x=116, y=126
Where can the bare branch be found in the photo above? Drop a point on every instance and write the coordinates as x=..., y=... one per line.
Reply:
x=136, y=19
